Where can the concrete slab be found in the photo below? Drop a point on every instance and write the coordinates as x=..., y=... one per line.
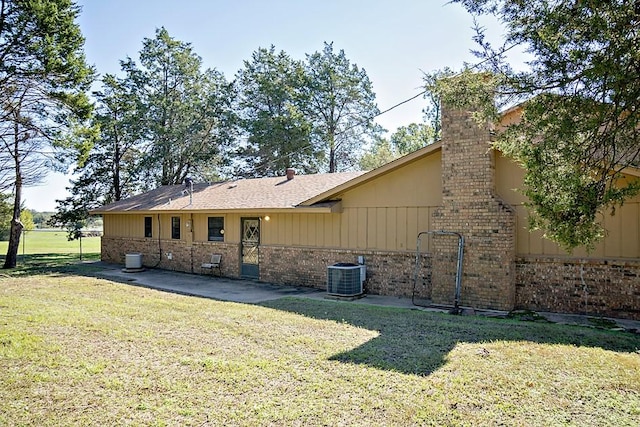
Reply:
x=219, y=288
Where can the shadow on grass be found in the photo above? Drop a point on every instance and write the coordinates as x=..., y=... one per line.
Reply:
x=54, y=263
x=418, y=342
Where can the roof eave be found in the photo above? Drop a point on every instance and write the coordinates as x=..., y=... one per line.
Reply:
x=333, y=207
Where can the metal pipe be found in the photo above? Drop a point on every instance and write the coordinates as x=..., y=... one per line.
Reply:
x=458, y=267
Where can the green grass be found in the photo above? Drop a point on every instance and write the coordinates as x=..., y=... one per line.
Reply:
x=51, y=244
x=76, y=350
x=43, y=242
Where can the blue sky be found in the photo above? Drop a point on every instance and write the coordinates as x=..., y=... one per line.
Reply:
x=394, y=41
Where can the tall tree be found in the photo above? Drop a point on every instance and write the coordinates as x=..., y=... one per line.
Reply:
x=278, y=135
x=112, y=169
x=340, y=103
x=43, y=83
x=163, y=121
x=114, y=162
x=186, y=112
x=580, y=127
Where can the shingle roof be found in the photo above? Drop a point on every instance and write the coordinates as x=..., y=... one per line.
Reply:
x=257, y=193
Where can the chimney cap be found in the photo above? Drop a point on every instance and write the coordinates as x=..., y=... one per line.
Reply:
x=290, y=173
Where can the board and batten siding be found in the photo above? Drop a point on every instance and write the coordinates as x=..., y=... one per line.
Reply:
x=623, y=227
x=385, y=214
x=127, y=225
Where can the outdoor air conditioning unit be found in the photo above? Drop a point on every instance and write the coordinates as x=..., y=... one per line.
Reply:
x=345, y=279
x=133, y=261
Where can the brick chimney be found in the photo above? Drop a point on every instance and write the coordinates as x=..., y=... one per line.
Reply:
x=290, y=173
x=471, y=207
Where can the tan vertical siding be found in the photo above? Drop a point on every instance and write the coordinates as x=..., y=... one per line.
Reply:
x=294, y=233
x=623, y=229
x=392, y=230
x=126, y=225
x=401, y=232
x=344, y=229
x=361, y=242
x=372, y=229
x=630, y=218
x=312, y=238
x=200, y=227
x=415, y=184
x=232, y=228
x=381, y=228
x=288, y=239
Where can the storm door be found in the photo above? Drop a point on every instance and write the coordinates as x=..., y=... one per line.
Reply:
x=250, y=247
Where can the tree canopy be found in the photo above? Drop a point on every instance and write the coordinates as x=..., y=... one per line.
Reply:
x=340, y=103
x=580, y=122
x=278, y=134
x=313, y=115
x=186, y=111
x=165, y=120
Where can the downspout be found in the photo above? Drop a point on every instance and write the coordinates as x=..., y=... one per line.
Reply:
x=159, y=245
x=191, y=231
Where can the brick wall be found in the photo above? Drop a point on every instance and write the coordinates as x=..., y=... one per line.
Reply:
x=589, y=286
x=388, y=273
x=172, y=254
x=230, y=261
x=471, y=207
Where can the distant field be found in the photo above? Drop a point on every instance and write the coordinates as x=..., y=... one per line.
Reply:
x=52, y=242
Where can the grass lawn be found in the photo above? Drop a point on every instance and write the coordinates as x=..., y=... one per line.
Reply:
x=76, y=350
x=53, y=243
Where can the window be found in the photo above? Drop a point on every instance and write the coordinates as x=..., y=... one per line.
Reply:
x=148, y=222
x=216, y=228
x=175, y=227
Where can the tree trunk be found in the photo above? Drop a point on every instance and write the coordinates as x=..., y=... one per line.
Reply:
x=16, y=226
x=332, y=153
x=333, y=167
x=332, y=160
x=11, y=259
x=117, y=157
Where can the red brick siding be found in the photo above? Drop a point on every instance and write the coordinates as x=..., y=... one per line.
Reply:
x=597, y=287
x=388, y=273
x=183, y=258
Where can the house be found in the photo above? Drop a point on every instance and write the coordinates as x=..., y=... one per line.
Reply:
x=287, y=230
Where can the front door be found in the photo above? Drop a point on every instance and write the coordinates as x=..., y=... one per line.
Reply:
x=250, y=247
